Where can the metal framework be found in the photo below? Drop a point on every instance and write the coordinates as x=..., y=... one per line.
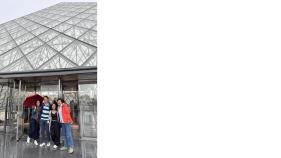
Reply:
x=58, y=37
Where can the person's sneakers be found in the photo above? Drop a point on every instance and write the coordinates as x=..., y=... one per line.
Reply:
x=48, y=144
x=42, y=144
x=55, y=147
x=70, y=151
x=35, y=142
x=28, y=140
x=63, y=148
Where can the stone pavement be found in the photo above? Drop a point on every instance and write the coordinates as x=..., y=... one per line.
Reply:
x=10, y=148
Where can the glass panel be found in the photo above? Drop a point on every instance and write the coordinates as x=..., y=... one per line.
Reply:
x=56, y=63
x=60, y=42
x=49, y=90
x=89, y=149
x=83, y=15
x=7, y=46
x=41, y=55
x=73, y=21
x=92, y=17
x=9, y=57
x=2, y=29
x=62, y=27
x=31, y=45
x=4, y=34
x=44, y=21
x=52, y=23
x=4, y=93
x=63, y=18
x=92, y=11
x=94, y=28
x=24, y=38
x=12, y=107
x=90, y=37
x=78, y=52
x=55, y=17
x=75, y=31
x=20, y=99
x=92, y=61
x=70, y=94
x=22, y=21
x=86, y=23
x=28, y=24
x=33, y=27
x=20, y=65
x=11, y=25
x=18, y=33
x=39, y=30
x=50, y=34
x=4, y=40
x=88, y=109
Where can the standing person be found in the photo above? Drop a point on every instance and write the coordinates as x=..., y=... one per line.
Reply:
x=66, y=121
x=44, y=123
x=55, y=125
x=33, y=131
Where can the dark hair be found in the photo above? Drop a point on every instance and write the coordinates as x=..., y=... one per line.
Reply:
x=62, y=100
x=37, y=101
x=46, y=97
x=54, y=102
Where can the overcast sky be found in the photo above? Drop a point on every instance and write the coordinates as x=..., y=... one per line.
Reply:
x=12, y=9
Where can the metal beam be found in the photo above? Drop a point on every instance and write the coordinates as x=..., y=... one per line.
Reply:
x=37, y=73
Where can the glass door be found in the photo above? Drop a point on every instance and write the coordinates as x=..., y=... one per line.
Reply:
x=4, y=94
x=88, y=109
x=11, y=111
x=70, y=95
x=19, y=97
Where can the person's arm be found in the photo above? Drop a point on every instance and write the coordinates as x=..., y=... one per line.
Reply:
x=40, y=112
x=50, y=119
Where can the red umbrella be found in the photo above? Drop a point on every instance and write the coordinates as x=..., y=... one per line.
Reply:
x=31, y=100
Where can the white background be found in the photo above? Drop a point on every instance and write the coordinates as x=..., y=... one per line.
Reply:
x=187, y=79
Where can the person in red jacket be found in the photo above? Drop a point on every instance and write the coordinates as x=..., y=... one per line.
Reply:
x=66, y=121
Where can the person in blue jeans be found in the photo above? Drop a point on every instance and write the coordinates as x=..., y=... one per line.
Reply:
x=66, y=121
x=44, y=123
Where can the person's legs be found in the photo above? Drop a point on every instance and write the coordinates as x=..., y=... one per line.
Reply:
x=36, y=130
x=57, y=134
x=65, y=146
x=69, y=135
x=48, y=132
x=42, y=131
x=53, y=132
x=31, y=129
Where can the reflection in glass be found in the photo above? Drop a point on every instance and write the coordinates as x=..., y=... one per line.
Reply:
x=88, y=109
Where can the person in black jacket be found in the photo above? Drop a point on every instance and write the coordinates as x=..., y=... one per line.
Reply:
x=33, y=131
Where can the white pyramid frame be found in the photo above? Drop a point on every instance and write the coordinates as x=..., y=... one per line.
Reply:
x=60, y=36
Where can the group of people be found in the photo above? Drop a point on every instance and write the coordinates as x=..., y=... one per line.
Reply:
x=47, y=120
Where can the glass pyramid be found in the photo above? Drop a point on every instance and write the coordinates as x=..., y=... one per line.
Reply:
x=60, y=36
